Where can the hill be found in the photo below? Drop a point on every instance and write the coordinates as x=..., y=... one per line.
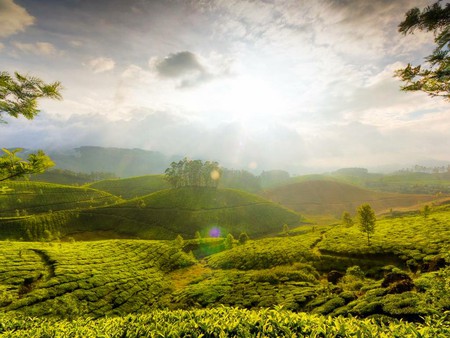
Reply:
x=133, y=186
x=23, y=198
x=167, y=213
x=329, y=197
x=121, y=162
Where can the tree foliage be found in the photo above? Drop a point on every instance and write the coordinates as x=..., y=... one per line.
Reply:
x=12, y=166
x=434, y=77
x=18, y=96
x=347, y=219
x=367, y=219
x=193, y=173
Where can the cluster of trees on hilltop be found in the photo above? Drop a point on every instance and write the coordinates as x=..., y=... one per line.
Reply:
x=193, y=173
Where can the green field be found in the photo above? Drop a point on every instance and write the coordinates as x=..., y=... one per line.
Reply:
x=128, y=287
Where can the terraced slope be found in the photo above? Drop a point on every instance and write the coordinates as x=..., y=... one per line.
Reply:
x=94, y=279
x=133, y=186
x=166, y=213
x=327, y=197
x=21, y=198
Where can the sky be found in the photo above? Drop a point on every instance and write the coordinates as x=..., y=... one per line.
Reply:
x=299, y=85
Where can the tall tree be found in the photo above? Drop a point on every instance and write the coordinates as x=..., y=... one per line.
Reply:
x=432, y=78
x=367, y=220
x=18, y=97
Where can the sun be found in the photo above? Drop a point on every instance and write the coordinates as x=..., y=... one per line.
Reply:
x=250, y=99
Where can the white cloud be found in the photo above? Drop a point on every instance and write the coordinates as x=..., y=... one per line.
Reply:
x=38, y=48
x=101, y=64
x=13, y=18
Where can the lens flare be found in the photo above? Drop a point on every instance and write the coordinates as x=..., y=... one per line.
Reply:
x=214, y=232
x=215, y=175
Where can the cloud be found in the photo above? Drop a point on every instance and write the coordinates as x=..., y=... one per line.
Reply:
x=101, y=64
x=38, y=48
x=1, y=46
x=189, y=69
x=179, y=64
x=13, y=18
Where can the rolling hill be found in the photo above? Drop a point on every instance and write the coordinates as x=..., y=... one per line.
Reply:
x=166, y=213
x=133, y=186
x=328, y=197
x=23, y=198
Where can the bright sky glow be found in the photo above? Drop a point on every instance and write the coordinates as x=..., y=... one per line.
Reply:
x=279, y=84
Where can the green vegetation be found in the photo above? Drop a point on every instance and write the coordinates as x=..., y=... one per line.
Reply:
x=166, y=213
x=222, y=322
x=18, y=97
x=434, y=79
x=26, y=198
x=69, y=177
x=90, y=278
x=193, y=173
x=132, y=187
x=367, y=220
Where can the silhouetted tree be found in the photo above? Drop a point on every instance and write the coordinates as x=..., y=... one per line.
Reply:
x=434, y=78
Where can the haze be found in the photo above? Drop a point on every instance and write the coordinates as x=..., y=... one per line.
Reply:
x=299, y=85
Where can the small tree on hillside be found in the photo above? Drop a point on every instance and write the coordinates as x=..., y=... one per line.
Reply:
x=229, y=241
x=367, y=220
x=243, y=238
x=347, y=219
x=426, y=211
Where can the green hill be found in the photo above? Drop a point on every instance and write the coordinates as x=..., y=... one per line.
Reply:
x=166, y=213
x=22, y=198
x=133, y=186
x=328, y=197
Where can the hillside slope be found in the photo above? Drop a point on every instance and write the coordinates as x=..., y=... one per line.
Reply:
x=332, y=198
x=133, y=186
x=22, y=198
x=166, y=213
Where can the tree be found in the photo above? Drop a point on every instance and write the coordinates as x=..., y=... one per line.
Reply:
x=347, y=219
x=434, y=77
x=243, y=238
x=367, y=220
x=18, y=97
x=12, y=166
x=426, y=211
x=229, y=241
x=193, y=173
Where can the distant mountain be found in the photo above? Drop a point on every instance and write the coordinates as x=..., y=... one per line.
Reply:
x=121, y=162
